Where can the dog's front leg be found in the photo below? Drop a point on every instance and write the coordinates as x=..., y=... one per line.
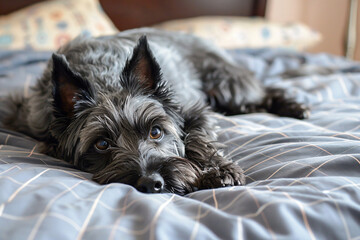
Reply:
x=225, y=174
x=202, y=148
x=217, y=170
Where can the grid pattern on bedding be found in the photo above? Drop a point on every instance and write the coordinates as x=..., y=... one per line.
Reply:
x=303, y=178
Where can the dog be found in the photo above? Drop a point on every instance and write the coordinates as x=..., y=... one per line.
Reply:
x=137, y=108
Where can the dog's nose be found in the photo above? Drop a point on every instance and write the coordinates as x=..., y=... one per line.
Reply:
x=153, y=183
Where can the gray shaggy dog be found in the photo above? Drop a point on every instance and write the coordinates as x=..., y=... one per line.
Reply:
x=136, y=108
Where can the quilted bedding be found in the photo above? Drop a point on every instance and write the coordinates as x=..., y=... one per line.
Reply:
x=303, y=176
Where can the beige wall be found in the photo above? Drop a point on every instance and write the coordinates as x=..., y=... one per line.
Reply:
x=329, y=17
x=357, y=48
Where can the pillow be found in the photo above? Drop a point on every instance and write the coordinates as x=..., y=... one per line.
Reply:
x=239, y=32
x=48, y=25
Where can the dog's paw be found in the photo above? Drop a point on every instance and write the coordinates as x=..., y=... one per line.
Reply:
x=229, y=174
x=278, y=103
x=303, y=112
x=296, y=110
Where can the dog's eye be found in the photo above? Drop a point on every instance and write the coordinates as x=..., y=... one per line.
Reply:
x=101, y=145
x=156, y=133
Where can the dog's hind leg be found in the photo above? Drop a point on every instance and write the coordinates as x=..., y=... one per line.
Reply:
x=205, y=152
x=233, y=89
x=275, y=101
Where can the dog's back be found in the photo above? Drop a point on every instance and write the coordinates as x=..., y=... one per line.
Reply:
x=101, y=60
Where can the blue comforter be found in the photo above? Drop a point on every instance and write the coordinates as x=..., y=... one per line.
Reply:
x=303, y=176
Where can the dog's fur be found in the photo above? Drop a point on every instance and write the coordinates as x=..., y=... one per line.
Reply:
x=118, y=91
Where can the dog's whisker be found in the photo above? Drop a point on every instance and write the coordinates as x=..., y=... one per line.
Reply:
x=176, y=149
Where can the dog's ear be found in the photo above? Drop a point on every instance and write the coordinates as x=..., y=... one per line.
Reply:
x=68, y=86
x=143, y=66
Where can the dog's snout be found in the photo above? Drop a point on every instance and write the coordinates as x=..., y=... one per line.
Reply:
x=153, y=183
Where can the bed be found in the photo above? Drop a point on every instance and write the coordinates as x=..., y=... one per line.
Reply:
x=303, y=176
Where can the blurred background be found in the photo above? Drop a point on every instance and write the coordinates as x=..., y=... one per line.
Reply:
x=336, y=21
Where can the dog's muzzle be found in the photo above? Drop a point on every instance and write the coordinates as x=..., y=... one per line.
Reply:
x=153, y=183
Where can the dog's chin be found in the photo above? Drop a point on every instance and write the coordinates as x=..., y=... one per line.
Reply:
x=179, y=174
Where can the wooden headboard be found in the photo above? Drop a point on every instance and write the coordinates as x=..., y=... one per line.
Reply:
x=136, y=13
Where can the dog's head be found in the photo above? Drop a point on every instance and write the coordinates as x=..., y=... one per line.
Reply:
x=130, y=134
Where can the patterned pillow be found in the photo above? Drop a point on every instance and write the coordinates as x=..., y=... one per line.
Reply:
x=237, y=32
x=48, y=25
